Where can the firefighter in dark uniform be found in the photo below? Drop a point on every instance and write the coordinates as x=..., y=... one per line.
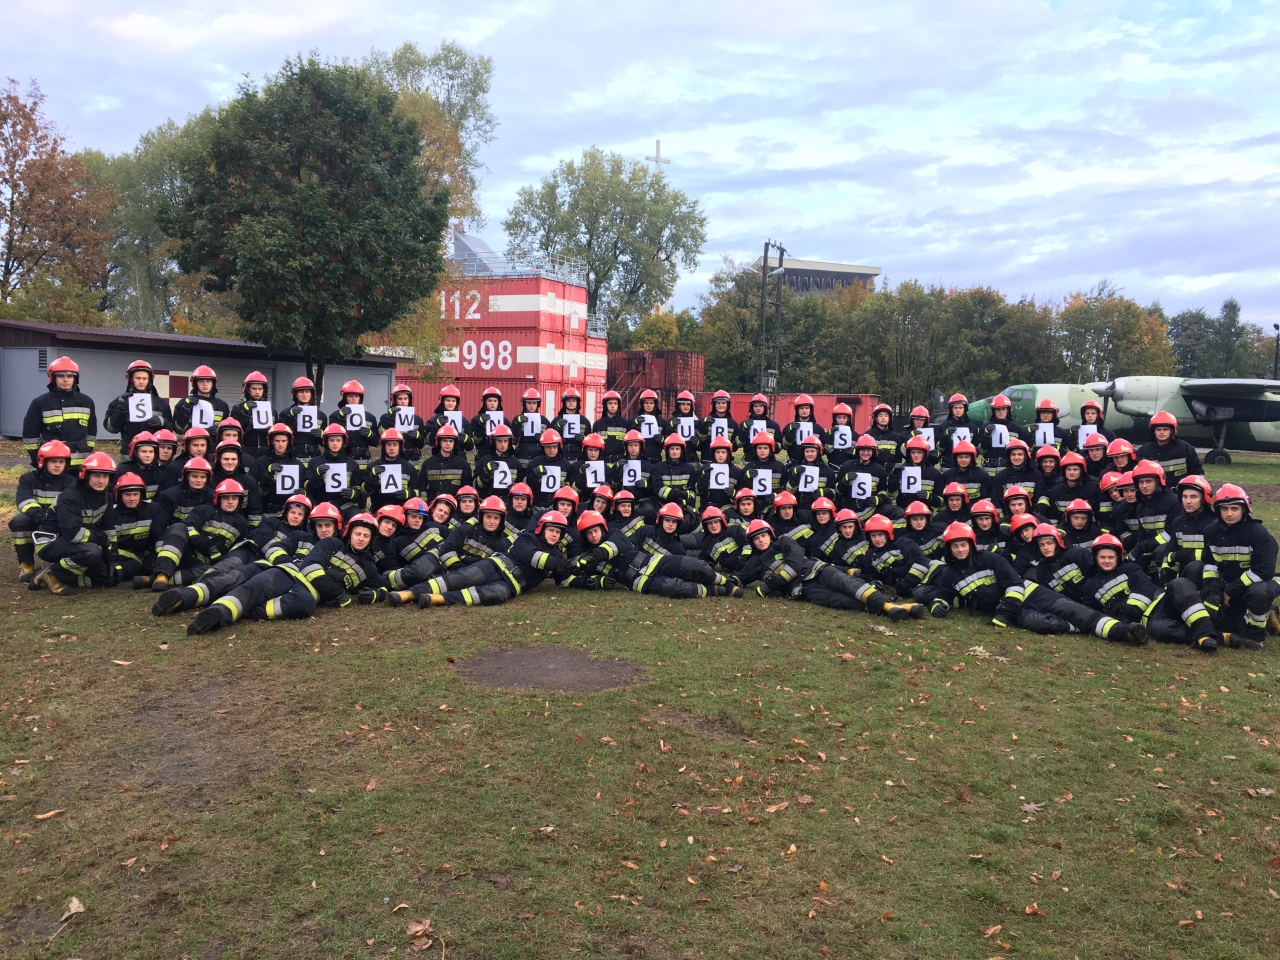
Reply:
x=36, y=494
x=73, y=541
x=204, y=386
x=957, y=426
x=994, y=454
x=717, y=423
x=63, y=413
x=653, y=426
x=612, y=425
x=307, y=443
x=360, y=436
x=801, y=427
x=757, y=421
x=888, y=440
x=254, y=389
x=1177, y=457
x=414, y=436
x=138, y=378
x=1238, y=576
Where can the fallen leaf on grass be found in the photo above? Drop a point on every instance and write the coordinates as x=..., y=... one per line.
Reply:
x=628, y=864
x=402, y=906
x=122, y=663
x=417, y=928
x=777, y=807
x=736, y=868
x=1235, y=916
x=822, y=886
x=51, y=813
x=501, y=883
x=844, y=657
x=1274, y=895
x=886, y=859
x=1032, y=807
x=164, y=844
x=525, y=916
x=989, y=932
x=922, y=923
x=1186, y=923
x=370, y=785
x=664, y=747
x=546, y=831
x=1217, y=858
x=692, y=882
x=1055, y=875
x=1266, y=792
x=128, y=863
x=1033, y=911
x=74, y=906
x=803, y=799
x=887, y=915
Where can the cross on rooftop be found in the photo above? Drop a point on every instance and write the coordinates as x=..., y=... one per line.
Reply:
x=656, y=159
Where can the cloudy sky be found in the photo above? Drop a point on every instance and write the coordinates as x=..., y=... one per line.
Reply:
x=1034, y=145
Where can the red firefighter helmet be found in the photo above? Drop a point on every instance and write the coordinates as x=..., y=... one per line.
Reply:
x=334, y=430
x=466, y=490
x=303, y=383
x=1016, y=491
x=611, y=395
x=958, y=398
x=1228, y=493
x=55, y=450
x=963, y=446
x=591, y=518
x=1119, y=446
x=1047, y=451
x=918, y=508
x=551, y=518
x=1108, y=541
x=254, y=377
x=785, y=498
x=449, y=390
x=1047, y=404
x=492, y=504
x=327, y=511
x=1148, y=468
x=391, y=434
x=521, y=490
x=96, y=463
x=684, y=395
x=571, y=393
x=1200, y=483
x=821, y=503
x=802, y=400
x=673, y=440
x=633, y=436
x=878, y=408
x=501, y=430
x=744, y=493
x=1049, y=530
x=1091, y=404
x=959, y=531
x=195, y=465
x=764, y=437
x=280, y=430
x=391, y=511
x=647, y=394
x=130, y=481
x=1126, y=479
x=671, y=511
x=877, y=523
x=549, y=437
x=848, y=516
x=1096, y=440
x=353, y=386
x=1001, y=402
x=812, y=441
x=759, y=398
x=1163, y=419
x=194, y=433
x=230, y=488
x=1017, y=443
x=205, y=372
x=955, y=489
x=404, y=388
x=365, y=520
x=593, y=441
x=227, y=424
x=712, y=512
x=756, y=527
x=1108, y=480
x=447, y=431
x=721, y=443
x=142, y=437
x=917, y=443
x=1071, y=459
x=298, y=500
x=984, y=507
x=1022, y=520
x=566, y=493
x=64, y=365
x=721, y=395
x=921, y=412
x=844, y=408
x=1078, y=505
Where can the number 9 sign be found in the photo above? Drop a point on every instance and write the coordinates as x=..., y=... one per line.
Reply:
x=486, y=355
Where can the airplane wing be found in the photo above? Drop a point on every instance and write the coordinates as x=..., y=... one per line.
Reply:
x=1226, y=387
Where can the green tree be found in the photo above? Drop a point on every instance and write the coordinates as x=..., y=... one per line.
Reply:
x=447, y=93
x=309, y=204
x=624, y=222
x=1105, y=335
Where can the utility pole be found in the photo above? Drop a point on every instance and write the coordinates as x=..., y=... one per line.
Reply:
x=767, y=376
x=1275, y=364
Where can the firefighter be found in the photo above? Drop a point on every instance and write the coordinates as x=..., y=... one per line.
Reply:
x=1177, y=457
x=332, y=570
x=529, y=427
x=1238, y=576
x=391, y=538
x=589, y=471
x=132, y=536
x=1017, y=501
x=63, y=413
x=144, y=461
x=625, y=517
x=571, y=424
x=810, y=476
x=1095, y=456
x=986, y=525
x=1057, y=566
x=1038, y=608
x=674, y=479
x=602, y=500
x=204, y=388
x=1047, y=414
x=612, y=425
x=1149, y=517
x=1079, y=528
x=1123, y=590
x=278, y=538
x=446, y=469
x=971, y=579
x=716, y=487
x=653, y=426
x=167, y=442
x=307, y=443
x=994, y=441
x=334, y=476
x=1091, y=415
x=362, y=430
x=824, y=542
x=966, y=472
x=535, y=555
x=497, y=470
x=490, y=417
x=788, y=520
x=1123, y=518
x=1073, y=484
x=887, y=440
x=520, y=512
x=428, y=525
x=1182, y=540
x=717, y=424
x=208, y=533
x=1108, y=499
x=801, y=426
x=919, y=527
x=228, y=464
x=254, y=389
x=1018, y=470
x=684, y=423
x=195, y=443
x=278, y=473
x=917, y=423
x=956, y=427
x=745, y=508
x=139, y=377
x=632, y=473
x=660, y=565
x=724, y=544
x=174, y=504
x=757, y=421
x=779, y=568
x=1048, y=471
x=955, y=505
x=448, y=411
x=389, y=479
x=549, y=470
x=1121, y=455
x=414, y=436
x=37, y=491
x=915, y=480
x=73, y=540
x=1019, y=542
x=762, y=471
x=894, y=564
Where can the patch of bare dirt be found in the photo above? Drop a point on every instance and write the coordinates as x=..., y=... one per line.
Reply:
x=1265, y=491
x=723, y=726
x=562, y=669
x=36, y=925
x=190, y=745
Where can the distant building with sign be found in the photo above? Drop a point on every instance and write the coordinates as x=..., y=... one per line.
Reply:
x=816, y=276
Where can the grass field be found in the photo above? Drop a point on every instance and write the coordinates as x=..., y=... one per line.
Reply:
x=280, y=790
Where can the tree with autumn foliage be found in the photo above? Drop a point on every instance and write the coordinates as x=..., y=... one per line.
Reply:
x=53, y=232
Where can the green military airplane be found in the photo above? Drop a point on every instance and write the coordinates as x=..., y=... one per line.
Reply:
x=1218, y=413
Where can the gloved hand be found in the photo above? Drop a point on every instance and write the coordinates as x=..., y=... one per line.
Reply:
x=939, y=609
x=368, y=595
x=1167, y=575
x=598, y=554
x=608, y=583
x=344, y=600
